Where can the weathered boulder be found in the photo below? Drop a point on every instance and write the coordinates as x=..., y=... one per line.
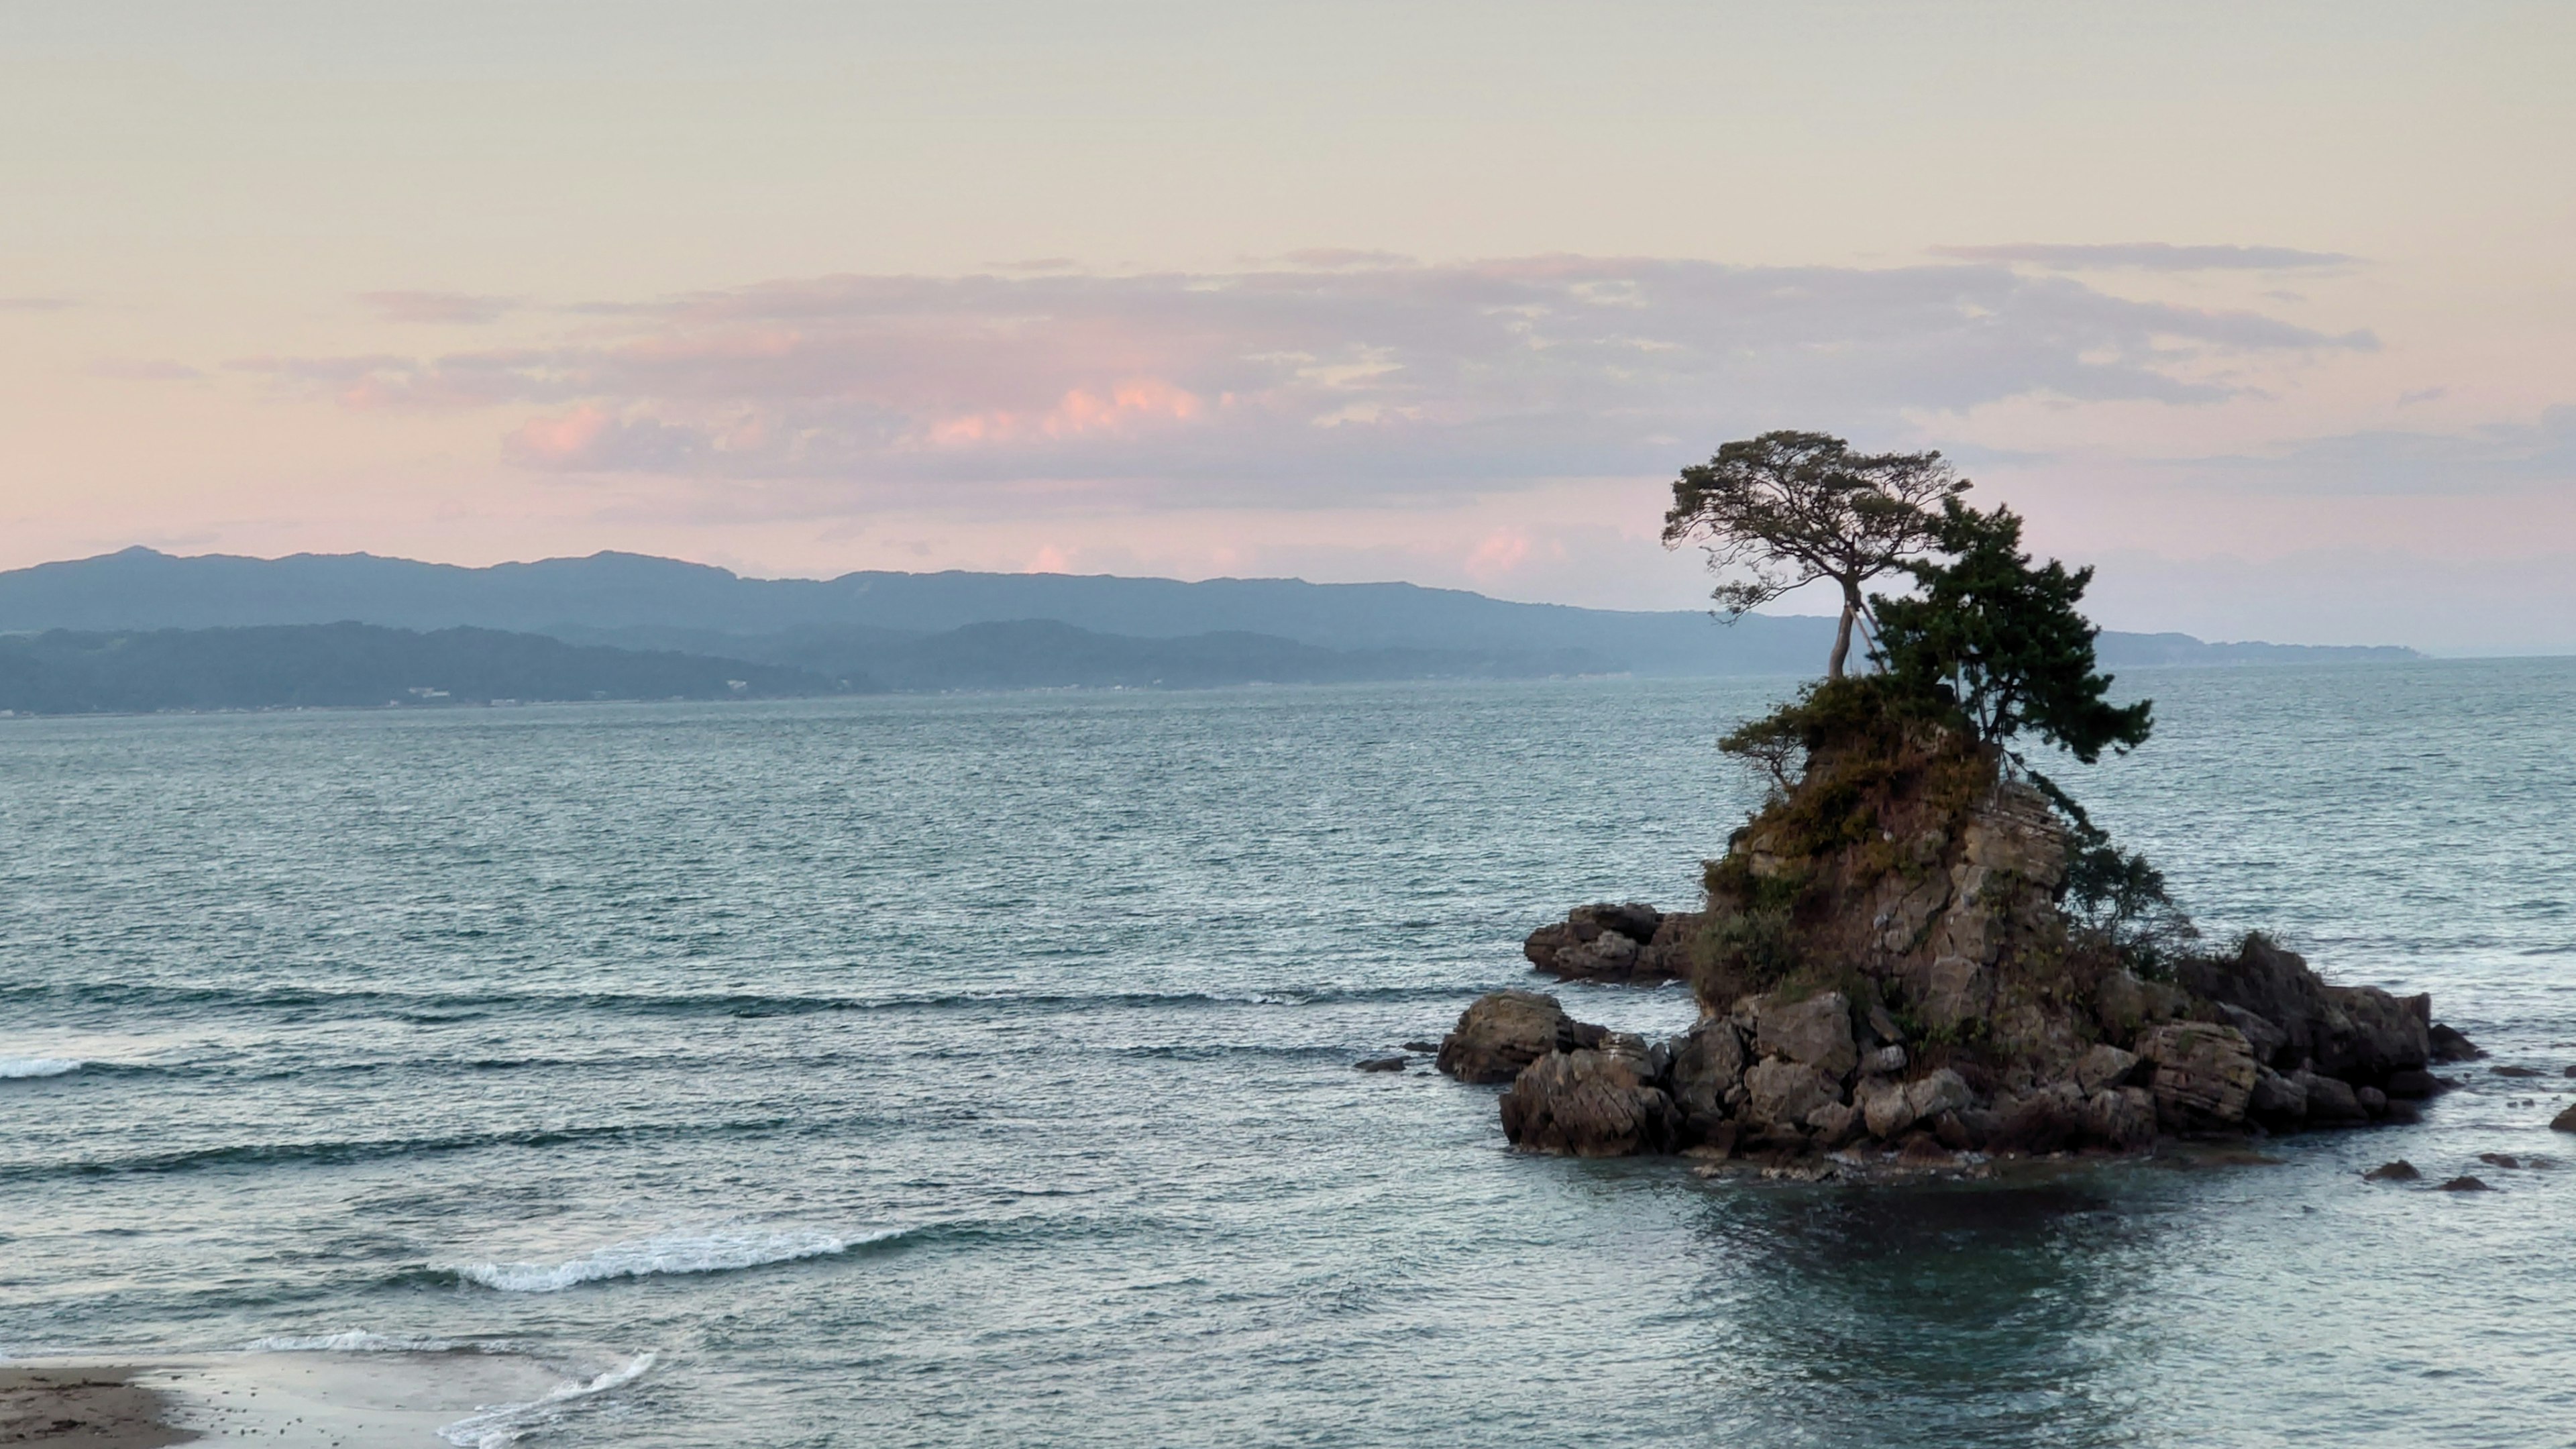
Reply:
x=2371, y=1034
x=1936, y=1093
x=2564, y=1121
x=2399, y=1171
x=1591, y=1102
x=2120, y=1118
x=1708, y=1064
x=2413, y=1084
x=1884, y=1108
x=2331, y=1101
x=2046, y=1120
x=1502, y=1032
x=1781, y=1094
x=1613, y=942
x=2277, y=1102
x=2449, y=1046
x=2204, y=1074
x=1834, y=1124
x=2266, y=1038
x=1886, y=1061
x=2105, y=1067
x=1816, y=1032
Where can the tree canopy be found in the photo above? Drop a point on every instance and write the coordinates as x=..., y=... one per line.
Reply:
x=1787, y=509
x=2002, y=641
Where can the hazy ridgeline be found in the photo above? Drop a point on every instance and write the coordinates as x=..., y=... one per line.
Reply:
x=142, y=631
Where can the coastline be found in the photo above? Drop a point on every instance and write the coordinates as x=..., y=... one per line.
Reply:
x=360, y=1398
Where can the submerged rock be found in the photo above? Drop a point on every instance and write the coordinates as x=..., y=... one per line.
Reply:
x=1380, y=1064
x=2564, y=1121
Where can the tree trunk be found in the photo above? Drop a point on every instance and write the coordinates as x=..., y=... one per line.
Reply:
x=1842, y=640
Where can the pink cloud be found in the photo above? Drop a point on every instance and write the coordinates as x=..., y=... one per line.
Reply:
x=1370, y=378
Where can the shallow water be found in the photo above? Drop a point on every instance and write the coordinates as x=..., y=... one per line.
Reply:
x=936, y=1071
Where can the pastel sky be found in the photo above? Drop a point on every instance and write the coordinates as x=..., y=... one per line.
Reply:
x=2269, y=311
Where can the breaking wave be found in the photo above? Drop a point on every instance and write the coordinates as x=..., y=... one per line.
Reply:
x=353, y=1341
x=36, y=1067
x=716, y=1250
x=501, y=1425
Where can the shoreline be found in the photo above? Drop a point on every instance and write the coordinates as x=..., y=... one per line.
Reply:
x=322, y=1398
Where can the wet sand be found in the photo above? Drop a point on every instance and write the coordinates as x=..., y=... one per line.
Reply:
x=97, y=1406
x=320, y=1400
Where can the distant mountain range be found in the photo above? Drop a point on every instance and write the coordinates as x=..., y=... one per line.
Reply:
x=931, y=631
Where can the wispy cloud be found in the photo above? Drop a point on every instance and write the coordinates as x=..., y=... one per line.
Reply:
x=2497, y=458
x=1366, y=378
x=2151, y=257
x=440, y=308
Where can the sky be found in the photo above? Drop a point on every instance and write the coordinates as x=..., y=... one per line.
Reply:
x=2267, y=311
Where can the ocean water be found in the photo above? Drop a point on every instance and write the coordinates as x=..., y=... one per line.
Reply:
x=941, y=1071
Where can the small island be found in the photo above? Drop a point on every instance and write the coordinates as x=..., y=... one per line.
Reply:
x=1920, y=953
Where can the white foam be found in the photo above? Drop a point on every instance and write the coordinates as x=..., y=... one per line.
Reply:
x=499, y=1425
x=715, y=1250
x=36, y=1066
x=350, y=1342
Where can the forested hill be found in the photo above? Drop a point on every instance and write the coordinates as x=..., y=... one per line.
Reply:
x=634, y=600
x=274, y=666
x=278, y=666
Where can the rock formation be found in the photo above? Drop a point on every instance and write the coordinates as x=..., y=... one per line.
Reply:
x=1886, y=964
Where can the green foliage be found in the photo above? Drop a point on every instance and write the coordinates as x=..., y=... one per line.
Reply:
x=1740, y=953
x=2002, y=641
x=2117, y=898
x=1789, y=508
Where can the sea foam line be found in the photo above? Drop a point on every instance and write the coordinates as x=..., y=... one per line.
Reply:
x=717, y=1250
x=36, y=1066
x=499, y=1425
x=354, y=1341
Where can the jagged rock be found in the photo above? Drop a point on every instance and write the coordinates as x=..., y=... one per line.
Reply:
x=2352, y=1032
x=1502, y=1032
x=2277, y=1102
x=1884, y=1108
x=1956, y=991
x=1815, y=1032
x=1884, y=1027
x=2399, y=1171
x=2331, y=1100
x=1781, y=1093
x=2505, y=1160
x=2448, y=1046
x=1591, y=1103
x=2564, y=1121
x=1708, y=1063
x=1887, y=1061
x=2263, y=1036
x=2204, y=1073
x=1426, y=1048
x=2464, y=1183
x=2104, y=1067
x=2121, y=1118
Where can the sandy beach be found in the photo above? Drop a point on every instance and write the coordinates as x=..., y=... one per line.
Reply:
x=398, y=1400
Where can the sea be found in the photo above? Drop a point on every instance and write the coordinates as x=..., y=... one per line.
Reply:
x=978, y=1070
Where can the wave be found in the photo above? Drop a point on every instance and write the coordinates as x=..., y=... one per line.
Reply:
x=15, y=1067
x=421, y=1005
x=353, y=1341
x=501, y=1425
x=370, y=1149
x=717, y=1250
